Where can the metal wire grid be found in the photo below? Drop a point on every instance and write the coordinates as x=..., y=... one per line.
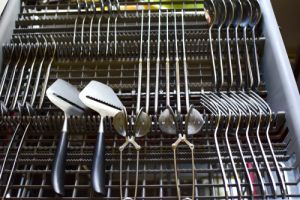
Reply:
x=80, y=62
x=31, y=178
x=121, y=74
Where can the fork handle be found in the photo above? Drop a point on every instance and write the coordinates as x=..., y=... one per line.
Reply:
x=98, y=168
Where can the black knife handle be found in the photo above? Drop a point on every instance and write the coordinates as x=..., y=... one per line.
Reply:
x=98, y=168
x=58, y=167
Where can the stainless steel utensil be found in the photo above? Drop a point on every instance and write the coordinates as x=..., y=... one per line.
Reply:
x=244, y=106
x=238, y=14
x=268, y=112
x=228, y=23
x=157, y=63
x=246, y=17
x=194, y=120
x=211, y=105
x=255, y=19
x=221, y=18
x=120, y=124
x=257, y=112
x=45, y=84
x=167, y=120
x=211, y=18
x=140, y=70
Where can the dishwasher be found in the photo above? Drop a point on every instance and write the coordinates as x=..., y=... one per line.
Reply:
x=210, y=107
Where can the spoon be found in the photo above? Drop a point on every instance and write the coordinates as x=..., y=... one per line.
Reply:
x=167, y=119
x=238, y=14
x=120, y=124
x=255, y=19
x=246, y=18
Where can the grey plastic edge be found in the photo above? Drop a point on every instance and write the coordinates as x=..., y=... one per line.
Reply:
x=7, y=22
x=282, y=89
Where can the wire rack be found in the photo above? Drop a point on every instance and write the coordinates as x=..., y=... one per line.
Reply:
x=59, y=40
x=31, y=177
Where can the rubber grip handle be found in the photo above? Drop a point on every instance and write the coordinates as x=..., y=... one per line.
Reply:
x=98, y=167
x=58, y=168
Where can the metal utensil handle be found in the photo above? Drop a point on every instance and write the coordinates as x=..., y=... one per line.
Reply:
x=242, y=154
x=177, y=67
x=91, y=28
x=215, y=109
x=167, y=62
x=75, y=28
x=257, y=84
x=253, y=155
x=11, y=81
x=31, y=72
x=157, y=64
x=215, y=79
x=220, y=58
x=98, y=167
x=238, y=58
x=21, y=76
x=237, y=131
x=129, y=140
x=107, y=35
x=148, y=63
x=115, y=34
x=278, y=171
x=98, y=34
x=82, y=29
x=8, y=149
x=59, y=162
x=140, y=70
x=182, y=138
x=248, y=64
x=225, y=180
x=6, y=70
x=186, y=84
x=236, y=176
x=273, y=183
x=229, y=58
x=228, y=111
x=36, y=85
x=15, y=160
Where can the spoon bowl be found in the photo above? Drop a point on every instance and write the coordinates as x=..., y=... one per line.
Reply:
x=120, y=122
x=167, y=121
x=256, y=13
x=194, y=121
x=238, y=12
x=246, y=15
x=142, y=124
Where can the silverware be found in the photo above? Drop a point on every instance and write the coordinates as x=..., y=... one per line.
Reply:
x=210, y=15
x=120, y=124
x=167, y=121
x=247, y=14
x=255, y=19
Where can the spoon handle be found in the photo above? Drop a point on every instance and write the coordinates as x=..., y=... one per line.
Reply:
x=98, y=168
x=59, y=162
